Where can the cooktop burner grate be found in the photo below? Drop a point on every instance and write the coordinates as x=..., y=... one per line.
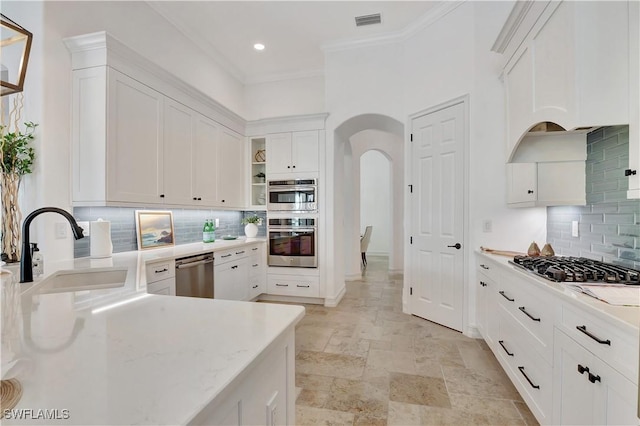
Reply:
x=578, y=269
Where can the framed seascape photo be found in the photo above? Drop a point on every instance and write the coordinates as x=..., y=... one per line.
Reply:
x=154, y=229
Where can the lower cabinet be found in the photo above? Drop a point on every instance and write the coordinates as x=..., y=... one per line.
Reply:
x=291, y=285
x=166, y=287
x=240, y=273
x=587, y=390
x=161, y=277
x=263, y=395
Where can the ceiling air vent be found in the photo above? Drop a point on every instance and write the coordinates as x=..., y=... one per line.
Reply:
x=368, y=19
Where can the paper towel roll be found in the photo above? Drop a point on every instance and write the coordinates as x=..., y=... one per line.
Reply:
x=101, y=239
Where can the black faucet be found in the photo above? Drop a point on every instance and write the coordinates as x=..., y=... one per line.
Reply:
x=26, y=271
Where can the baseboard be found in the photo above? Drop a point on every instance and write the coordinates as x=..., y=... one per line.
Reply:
x=334, y=301
x=353, y=277
x=396, y=271
x=290, y=299
x=472, y=331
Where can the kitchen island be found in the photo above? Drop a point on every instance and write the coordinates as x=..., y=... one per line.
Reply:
x=122, y=356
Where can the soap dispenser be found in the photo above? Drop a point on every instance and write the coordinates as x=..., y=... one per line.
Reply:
x=37, y=260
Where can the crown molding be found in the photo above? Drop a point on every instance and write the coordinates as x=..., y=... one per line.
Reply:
x=267, y=78
x=207, y=48
x=432, y=16
x=293, y=123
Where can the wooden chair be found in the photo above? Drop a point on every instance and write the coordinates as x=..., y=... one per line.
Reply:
x=364, y=244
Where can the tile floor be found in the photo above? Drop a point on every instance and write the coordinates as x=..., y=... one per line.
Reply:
x=366, y=363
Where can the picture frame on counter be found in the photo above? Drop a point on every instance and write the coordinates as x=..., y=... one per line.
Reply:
x=154, y=229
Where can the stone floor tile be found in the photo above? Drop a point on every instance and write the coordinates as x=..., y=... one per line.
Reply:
x=448, y=416
x=527, y=415
x=348, y=346
x=488, y=383
x=313, y=338
x=364, y=420
x=400, y=362
x=311, y=416
x=418, y=390
x=312, y=398
x=327, y=364
x=312, y=381
x=491, y=407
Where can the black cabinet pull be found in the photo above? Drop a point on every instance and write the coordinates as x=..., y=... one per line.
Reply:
x=629, y=172
x=288, y=167
x=294, y=167
x=255, y=286
x=593, y=378
x=234, y=267
x=528, y=379
x=483, y=284
x=199, y=199
x=302, y=286
x=240, y=252
x=530, y=191
x=505, y=296
x=254, y=265
x=161, y=271
x=483, y=266
x=528, y=314
x=195, y=198
x=161, y=195
x=503, y=347
x=282, y=285
x=582, y=369
x=226, y=255
x=583, y=329
x=223, y=201
x=255, y=248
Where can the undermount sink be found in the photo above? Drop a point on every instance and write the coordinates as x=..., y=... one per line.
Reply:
x=83, y=279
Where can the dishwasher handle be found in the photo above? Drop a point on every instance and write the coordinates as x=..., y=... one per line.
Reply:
x=194, y=264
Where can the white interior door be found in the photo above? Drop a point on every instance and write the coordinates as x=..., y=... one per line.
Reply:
x=437, y=210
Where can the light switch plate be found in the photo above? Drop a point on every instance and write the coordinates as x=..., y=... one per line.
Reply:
x=217, y=223
x=574, y=228
x=61, y=230
x=487, y=226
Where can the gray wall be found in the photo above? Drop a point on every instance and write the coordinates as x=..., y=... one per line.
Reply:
x=187, y=225
x=610, y=223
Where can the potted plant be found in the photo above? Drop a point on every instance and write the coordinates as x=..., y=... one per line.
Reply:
x=251, y=225
x=17, y=160
x=260, y=177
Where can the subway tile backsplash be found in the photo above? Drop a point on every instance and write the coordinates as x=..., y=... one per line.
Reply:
x=609, y=225
x=187, y=225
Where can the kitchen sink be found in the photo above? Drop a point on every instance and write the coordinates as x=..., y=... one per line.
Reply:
x=83, y=279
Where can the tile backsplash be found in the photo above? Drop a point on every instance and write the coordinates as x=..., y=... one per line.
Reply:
x=187, y=225
x=609, y=225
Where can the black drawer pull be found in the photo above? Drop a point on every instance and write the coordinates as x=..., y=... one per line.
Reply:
x=254, y=265
x=255, y=248
x=255, y=286
x=582, y=369
x=503, y=347
x=227, y=255
x=583, y=328
x=302, y=286
x=528, y=379
x=593, y=378
x=528, y=314
x=240, y=252
x=161, y=271
x=505, y=296
x=483, y=266
x=282, y=285
x=234, y=267
x=483, y=284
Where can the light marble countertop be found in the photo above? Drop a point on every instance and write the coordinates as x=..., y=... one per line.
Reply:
x=122, y=356
x=625, y=317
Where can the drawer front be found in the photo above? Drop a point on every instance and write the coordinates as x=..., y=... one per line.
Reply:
x=257, y=266
x=531, y=374
x=228, y=255
x=287, y=285
x=532, y=314
x=616, y=348
x=160, y=270
x=487, y=267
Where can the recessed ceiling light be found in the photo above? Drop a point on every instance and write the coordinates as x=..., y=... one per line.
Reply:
x=258, y=46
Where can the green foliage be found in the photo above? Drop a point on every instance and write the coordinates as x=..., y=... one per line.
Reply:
x=15, y=150
x=251, y=219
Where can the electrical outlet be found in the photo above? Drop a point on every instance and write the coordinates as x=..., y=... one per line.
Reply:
x=61, y=230
x=217, y=223
x=86, y=228
x=574, y=228
x=487, y=226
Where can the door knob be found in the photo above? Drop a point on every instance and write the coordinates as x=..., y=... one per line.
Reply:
x=456, y=246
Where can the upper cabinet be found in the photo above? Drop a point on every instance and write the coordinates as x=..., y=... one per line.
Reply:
x=142, y=137
x=293, y=152
x=566, y=63
x=634, y=100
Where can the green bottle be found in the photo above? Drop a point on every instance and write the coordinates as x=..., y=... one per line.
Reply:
x=212, y=231
x=205, y=232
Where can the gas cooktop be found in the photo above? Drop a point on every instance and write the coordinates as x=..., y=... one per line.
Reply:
x=577, y=269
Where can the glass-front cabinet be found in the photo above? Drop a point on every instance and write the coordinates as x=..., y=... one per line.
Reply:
x=258, y=180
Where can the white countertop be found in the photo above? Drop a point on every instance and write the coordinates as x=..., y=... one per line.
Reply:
x=626, y=317
x=122, y=356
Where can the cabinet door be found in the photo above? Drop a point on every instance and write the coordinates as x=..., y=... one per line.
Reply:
x=304, y=151
x=587, y=390
x=230, y=169
x=278, y=153
x=230, y=281
x=518, y=80
x=166, y=287
x=204, y=176
x=521, y=182
x=134, y=143
x=562, y=183
x=634, y=99
x=178, y=136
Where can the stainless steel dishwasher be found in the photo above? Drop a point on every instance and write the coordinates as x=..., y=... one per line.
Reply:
x=194, y=276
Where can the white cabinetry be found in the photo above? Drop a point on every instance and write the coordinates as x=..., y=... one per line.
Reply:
x=588, y=390
x=546, y=184
x=264, y=394
x=178, y=148
x=293, y=152
x=161, y=277
x=486, y=292
x=561, y=70
x=239, y=273
x=204, y=178
x=634, y=100
x=230, y=169
x=258, y=178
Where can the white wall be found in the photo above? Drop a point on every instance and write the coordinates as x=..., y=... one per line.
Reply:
x=284, y=97
x=48, y=88
x=375, y=201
